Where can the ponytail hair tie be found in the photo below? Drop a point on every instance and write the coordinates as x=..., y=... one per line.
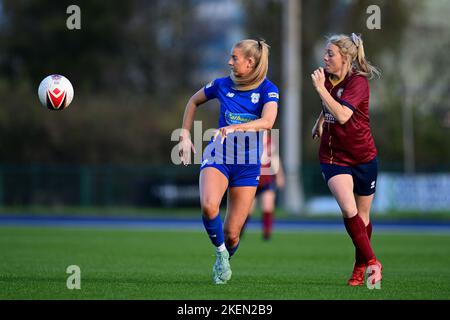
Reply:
x=259, y=44
x=356, y=40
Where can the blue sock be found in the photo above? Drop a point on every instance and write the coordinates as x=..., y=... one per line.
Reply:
x=231, y=251
x=214, y=229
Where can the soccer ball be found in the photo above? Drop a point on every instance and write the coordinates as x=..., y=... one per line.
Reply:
x=55, y=92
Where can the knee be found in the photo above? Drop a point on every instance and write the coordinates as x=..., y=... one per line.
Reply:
x=231, y=237
x=269, y=208
x=210, y=209
x=365, y=217
x=349, y=212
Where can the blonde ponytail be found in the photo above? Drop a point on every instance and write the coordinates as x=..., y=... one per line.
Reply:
x=258, y=50
x=364, y=66
x=352, y=47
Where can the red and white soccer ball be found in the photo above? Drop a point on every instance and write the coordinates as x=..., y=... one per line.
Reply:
x=55, y=92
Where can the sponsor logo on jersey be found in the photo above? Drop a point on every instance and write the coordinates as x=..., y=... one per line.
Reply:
x=230, y=94
x=372, y=185
x=273, y=95
x=234, y=118
x=339, y=92
x=257, y=178
x=204, y=162
x=209, y=85
x=255, y=97
x=329, y=118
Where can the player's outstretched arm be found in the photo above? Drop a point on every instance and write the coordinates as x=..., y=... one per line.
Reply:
x=186, y=144
x=189, y=112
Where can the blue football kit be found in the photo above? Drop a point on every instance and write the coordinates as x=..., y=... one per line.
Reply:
x=238, y=158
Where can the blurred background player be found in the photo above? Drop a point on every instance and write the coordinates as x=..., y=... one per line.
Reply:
x=271, y=179
x=348, y=156
x=248, y=104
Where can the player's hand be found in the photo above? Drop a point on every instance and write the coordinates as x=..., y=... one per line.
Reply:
x=316, y=131
x=185, y=147
x=318, y=79
x=223, y=132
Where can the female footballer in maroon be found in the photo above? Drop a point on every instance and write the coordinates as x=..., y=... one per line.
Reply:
x=348, y=156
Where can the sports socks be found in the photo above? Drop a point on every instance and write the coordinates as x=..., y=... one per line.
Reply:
x=267, y=220
x=214, y=229
x=359, y=260
x=357, y=230
x=215, y=232
x=231, y=251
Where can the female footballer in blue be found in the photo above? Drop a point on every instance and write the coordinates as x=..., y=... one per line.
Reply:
x=248, y=104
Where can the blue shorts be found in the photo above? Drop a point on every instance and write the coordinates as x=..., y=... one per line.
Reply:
x=270, y=186
x=364, y=175
x=238, y=175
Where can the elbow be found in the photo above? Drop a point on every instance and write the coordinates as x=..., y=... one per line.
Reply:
x=342, y=121
x=344, y=118
x=269, y=125
x=193, y=102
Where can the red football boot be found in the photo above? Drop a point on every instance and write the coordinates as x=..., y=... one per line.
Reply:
x=375, y=274
x=357, y=278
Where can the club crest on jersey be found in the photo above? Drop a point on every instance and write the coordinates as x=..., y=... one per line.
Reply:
x=339, y=92
x=255, y=97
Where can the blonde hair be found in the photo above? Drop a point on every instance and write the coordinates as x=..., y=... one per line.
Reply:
x=259, y=50
x=352, y=47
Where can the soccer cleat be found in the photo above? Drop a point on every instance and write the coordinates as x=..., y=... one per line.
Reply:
x=357, y=278
x=221, y=269
x=375, y=275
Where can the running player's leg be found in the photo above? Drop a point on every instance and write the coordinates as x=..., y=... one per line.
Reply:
x=268, y=207
x=365, y=177
x=341, y=186
x=240, y=200
x=247, y=220
x=213, y=184
x=364, y=204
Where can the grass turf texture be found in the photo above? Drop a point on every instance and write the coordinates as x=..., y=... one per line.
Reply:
x=158, y=264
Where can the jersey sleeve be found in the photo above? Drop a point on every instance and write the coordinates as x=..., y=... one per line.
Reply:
x=356, y=91
x=211, y=89
x=271, y=94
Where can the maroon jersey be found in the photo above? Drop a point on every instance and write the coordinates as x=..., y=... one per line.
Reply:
x=351, y=143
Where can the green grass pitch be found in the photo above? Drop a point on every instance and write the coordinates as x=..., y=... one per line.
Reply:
x=171, y=264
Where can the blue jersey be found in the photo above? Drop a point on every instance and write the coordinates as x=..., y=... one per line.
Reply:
x=240, y=107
